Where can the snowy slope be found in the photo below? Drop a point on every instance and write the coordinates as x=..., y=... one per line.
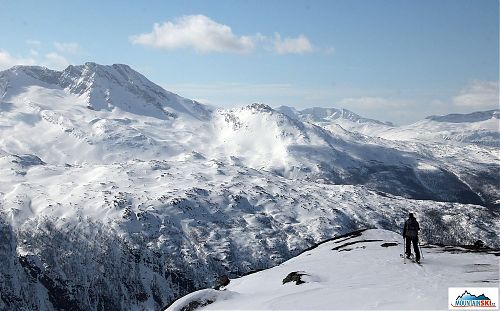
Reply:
x=137, y=235
x=355, y=273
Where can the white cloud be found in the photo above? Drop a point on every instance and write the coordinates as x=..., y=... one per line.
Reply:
x=7, y=60
x=67, y=47
x=298, y=45
x=195, y=31
x=55, y=61
x=205, y=35
x=478, y=94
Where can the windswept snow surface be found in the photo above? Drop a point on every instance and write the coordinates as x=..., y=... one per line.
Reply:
x=355, y=273
x=116, y=194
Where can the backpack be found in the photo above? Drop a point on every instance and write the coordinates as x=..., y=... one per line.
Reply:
x=412, y=228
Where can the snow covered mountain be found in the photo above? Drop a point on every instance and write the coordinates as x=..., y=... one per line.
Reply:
x=467, y=118
x=479, y=128
x=360, y=271
x=330, y=118
x=266, y=139
x=318, y=114
x=92, y=113
x=461, y=146
x=116, y=194
x=103, y=88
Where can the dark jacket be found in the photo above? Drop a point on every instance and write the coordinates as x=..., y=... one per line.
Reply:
x=411, y=228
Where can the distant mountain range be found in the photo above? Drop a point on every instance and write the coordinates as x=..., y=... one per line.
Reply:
x=317, y=114
x=467, y=118
x=116, y=194
x=480, y=128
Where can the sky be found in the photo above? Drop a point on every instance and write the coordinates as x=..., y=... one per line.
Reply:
x=391, y=60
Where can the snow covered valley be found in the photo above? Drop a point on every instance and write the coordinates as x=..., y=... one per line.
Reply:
x=118, y=195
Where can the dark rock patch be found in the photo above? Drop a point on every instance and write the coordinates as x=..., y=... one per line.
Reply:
x=351, y=243
x=388, y=244
x=342, y=237
x=193, y=305
x=350, y=249
x=27, y=160
x=222, y=282
x=294, y=277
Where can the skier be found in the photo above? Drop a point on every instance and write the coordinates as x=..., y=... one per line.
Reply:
x=410, y=234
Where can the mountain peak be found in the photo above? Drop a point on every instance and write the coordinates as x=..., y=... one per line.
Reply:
x=116, y=72
x=260, y=107
x=105, y=87
x=91, y=66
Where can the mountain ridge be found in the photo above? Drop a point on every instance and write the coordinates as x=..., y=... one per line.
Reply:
x=319, y=114
x=96, y=114
x=477, y=116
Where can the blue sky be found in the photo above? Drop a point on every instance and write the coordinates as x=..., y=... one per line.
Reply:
x=390, y=60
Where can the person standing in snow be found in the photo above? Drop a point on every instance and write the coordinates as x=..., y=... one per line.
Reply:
x=410, y=234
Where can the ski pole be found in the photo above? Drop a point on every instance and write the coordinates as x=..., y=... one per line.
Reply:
x=404, y=255
x=421, y=253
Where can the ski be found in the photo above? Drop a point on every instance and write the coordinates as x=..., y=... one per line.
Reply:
x=412, y=259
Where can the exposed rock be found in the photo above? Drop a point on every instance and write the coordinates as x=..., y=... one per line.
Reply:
x=388, y=244
x=294, y=277
x=222, y=282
